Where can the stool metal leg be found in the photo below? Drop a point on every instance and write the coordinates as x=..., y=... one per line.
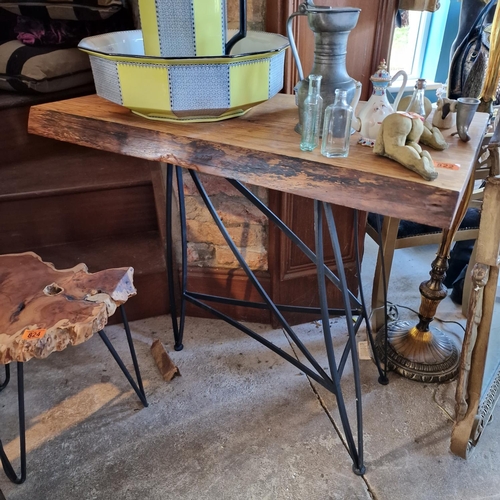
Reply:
x=139, y=390
x=7, y=466
x=4, y=384
x=132, y=351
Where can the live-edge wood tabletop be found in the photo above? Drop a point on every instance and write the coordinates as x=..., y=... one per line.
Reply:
x=262, y=148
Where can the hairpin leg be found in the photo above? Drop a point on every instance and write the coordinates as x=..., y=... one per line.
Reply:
x=138, y=387
x=7, y=466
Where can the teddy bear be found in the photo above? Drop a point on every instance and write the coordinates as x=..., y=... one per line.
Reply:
x=399, y=137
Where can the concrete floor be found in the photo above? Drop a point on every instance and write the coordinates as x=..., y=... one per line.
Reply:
x=240, y=423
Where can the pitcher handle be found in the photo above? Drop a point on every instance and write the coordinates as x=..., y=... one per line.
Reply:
x=356, y=122
x=292, y=43
x=401, y=90
x=242, y=33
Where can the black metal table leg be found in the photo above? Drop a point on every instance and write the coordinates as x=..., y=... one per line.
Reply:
x=352, y=305
x=132, y=352
x=382, y=372
x=356, y=454
x=138, y=387
x=178, y=326
x=7, y=466
x=383, y=378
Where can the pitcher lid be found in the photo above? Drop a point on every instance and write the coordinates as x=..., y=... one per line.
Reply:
x=381, y=75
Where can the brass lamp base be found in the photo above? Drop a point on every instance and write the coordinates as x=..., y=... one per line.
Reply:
x=424, y=356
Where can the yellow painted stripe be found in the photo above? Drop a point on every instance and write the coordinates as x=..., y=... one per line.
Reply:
x=149, y=24
x=249, y=83
x=208, y=27
x=144, y=88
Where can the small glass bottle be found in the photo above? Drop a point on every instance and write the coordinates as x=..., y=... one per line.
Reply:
x=311, y=115
x=417, y=102
x=337, y=127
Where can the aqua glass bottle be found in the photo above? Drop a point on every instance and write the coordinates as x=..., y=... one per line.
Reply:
x=417, y=102
x=311, y=115
x=337, y=127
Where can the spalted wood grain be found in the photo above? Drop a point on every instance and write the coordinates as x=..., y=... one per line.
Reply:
x=261, y=148
x=67, y=306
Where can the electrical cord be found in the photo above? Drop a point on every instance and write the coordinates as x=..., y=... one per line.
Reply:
x=395, y=311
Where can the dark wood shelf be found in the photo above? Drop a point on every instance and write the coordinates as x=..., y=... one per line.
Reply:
x=116, y=251
x=67, y=169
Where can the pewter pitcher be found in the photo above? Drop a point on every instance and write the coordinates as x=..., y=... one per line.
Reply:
x=331, y=27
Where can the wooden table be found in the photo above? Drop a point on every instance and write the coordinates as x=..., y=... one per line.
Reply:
x=262, y=149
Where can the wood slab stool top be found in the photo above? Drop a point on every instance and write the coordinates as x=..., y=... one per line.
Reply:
x=43, y=309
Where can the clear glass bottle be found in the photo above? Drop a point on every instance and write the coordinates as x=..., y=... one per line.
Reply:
x=337, y=127
x=417, y=102
x=311, y=115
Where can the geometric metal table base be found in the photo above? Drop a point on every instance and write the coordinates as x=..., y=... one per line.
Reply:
x=354, y=308
x=428, y=356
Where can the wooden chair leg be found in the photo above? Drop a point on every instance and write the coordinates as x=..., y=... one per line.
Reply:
x=387, y=247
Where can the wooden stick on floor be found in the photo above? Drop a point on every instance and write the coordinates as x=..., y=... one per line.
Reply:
x=163, y=361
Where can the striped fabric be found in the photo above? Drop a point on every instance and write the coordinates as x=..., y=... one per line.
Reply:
x=78, y=10
x=30, y=69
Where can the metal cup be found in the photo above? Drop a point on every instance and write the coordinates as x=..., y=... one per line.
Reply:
x=466, y=107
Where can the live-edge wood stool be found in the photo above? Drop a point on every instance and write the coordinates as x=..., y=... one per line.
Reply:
x=43, y=309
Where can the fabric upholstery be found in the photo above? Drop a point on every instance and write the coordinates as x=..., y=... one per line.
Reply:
x=26, y=68
x=86, y=10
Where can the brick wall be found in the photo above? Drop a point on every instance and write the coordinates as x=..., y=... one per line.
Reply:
x=245, y=224
x=256, y=13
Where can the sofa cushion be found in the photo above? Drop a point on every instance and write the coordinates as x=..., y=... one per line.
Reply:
x=76, y=10
x=31, y=69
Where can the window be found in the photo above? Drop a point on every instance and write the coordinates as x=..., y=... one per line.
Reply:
x=422, y=45
x=410, y=42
